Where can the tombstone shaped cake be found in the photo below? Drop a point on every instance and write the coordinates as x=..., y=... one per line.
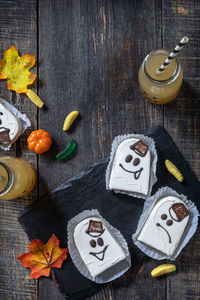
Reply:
x=97, y=246
x=131, y=168
x=10, y=126
x=165, y=225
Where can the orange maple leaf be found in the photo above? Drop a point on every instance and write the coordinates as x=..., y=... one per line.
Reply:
x=43, y=257
x=16, y=70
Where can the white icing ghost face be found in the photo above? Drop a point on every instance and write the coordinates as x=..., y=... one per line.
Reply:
x=131, y=167
x=10, y=126
x=98, y=249
x=165, y=225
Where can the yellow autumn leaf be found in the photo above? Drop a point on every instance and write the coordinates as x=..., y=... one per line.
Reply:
x=16, y=70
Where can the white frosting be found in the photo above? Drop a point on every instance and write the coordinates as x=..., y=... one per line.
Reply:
x=113, y=252
x=9, y=121
x=125, y=181
x=155, y=236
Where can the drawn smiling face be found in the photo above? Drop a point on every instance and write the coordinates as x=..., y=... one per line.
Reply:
x=136, y=161
x=97, y=247
x=131, y=167
x=100, y=254
x=96, y=230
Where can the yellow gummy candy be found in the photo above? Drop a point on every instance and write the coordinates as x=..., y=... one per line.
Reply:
x=35, y=98
x=70, y=119
x=163, y=269
x=174, y=170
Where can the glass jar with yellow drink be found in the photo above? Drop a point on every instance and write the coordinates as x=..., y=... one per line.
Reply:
x=17, y=178
x=160, y=87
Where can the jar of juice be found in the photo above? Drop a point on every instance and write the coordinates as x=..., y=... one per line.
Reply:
x=17, y=178
x=160, y=87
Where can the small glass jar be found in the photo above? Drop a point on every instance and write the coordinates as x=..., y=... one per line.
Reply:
x=160, y=87
x=17, y=178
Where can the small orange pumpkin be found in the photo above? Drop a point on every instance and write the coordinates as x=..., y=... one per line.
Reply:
x=39, y=141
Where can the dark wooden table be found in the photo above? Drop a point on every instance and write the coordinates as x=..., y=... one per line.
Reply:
x=88, y=56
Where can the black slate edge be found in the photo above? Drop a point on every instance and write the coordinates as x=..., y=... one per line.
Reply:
x=54, y=204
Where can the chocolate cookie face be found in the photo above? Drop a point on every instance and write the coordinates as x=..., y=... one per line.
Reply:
x=97, y=247
x=165, y=225
x=131, y=167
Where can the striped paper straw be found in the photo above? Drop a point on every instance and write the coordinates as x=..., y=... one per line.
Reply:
x=174, y=53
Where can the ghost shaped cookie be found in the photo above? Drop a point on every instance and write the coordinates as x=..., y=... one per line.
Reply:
x=131, y=167
x=97, y=246
x=10, y=126
x=165, y=225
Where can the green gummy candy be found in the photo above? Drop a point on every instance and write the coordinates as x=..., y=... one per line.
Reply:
x=68, y=152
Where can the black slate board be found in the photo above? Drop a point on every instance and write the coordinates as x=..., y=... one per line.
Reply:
x=87, y=191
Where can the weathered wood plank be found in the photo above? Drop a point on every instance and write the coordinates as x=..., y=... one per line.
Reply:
x=181, y=117
x=89, y=55
x=18, y=26
x=95, y=50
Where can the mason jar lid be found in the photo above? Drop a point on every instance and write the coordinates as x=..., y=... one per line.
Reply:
x=158, y=80
x=6, y=178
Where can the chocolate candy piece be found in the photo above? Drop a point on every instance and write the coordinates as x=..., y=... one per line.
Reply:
x=93, y=243
x=136, y=161
x=169, y=222
x=95, y=228
x=100, y=241
x=68, y=152
x=128, y=158
x=4, y=135
x=180, y=210
x=139, y=148
x=163, y=216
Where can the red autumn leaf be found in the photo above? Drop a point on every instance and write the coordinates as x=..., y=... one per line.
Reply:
x=43, y=257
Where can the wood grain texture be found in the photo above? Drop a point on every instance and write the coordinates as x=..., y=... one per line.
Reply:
x=89, y=60
x=89, y=54
x=181, y=117
x=18, y=27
